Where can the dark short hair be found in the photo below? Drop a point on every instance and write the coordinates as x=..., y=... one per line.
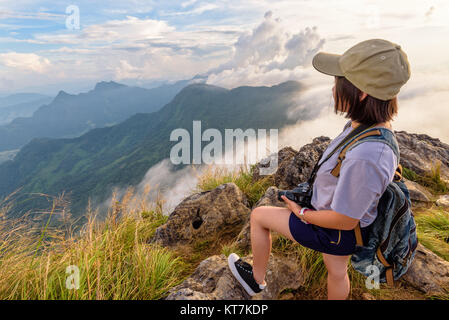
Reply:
x=368, y=111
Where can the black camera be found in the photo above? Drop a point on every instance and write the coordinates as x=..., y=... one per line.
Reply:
x=302, y=195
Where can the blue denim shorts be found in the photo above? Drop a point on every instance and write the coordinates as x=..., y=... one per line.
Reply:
x=330, y=241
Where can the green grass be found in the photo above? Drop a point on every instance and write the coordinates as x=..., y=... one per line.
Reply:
x=431, y=179
x=433, y=231
x=243, y=178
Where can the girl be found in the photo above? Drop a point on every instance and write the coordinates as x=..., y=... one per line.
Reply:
x=368, y=78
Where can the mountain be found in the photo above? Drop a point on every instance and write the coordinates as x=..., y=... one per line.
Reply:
x=120, y=155
x=19, y=98
x=24, y=109
x=72, y=115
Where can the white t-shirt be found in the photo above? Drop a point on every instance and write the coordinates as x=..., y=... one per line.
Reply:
x=364, y=175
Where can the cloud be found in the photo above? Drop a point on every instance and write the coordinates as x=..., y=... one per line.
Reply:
x=268, y=55
x=31, y=15
x=173, y=185
x=161, y=182
x=195, y=11
x=126, y=71
x=25, y=62
x=188, y=3
x=127, y=30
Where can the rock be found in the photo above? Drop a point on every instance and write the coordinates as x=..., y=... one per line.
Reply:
x=418, y=192
x=212, y=280
x=283, y=155
x=419, y=152
x=295, y=167
x=298, y=168
x=210, y=215
x=428, y=272
x=443, y=201
x=268, y=199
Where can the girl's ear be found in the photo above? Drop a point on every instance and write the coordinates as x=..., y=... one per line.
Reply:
x=363, y=96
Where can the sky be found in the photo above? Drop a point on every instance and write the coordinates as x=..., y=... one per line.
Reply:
x=232, y=43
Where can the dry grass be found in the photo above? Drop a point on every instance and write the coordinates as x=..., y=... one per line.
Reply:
x=113, y=257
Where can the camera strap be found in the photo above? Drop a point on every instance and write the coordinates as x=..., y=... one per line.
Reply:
x=359, y=129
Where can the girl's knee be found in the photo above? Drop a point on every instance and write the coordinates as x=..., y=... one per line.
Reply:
x=337, y=273
x=337, y=267
x=256, y=213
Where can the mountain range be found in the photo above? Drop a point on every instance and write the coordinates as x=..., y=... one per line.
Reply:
x=89, y=166
x=20, y=105
x=70, y=115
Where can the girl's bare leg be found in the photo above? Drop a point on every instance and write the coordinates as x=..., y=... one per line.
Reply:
x=264, y=219
x=338, y=285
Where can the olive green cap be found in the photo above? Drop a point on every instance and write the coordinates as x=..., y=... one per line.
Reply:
x=377, y=67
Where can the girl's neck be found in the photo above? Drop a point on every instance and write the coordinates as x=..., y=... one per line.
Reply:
x=386, y=124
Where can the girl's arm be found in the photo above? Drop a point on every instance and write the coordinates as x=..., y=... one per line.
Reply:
x=330, y=219
x=323, y=218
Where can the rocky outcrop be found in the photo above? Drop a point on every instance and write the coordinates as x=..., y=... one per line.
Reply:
x=419, y=152
x=428, y=272
x=213, y=280
x=205, y=216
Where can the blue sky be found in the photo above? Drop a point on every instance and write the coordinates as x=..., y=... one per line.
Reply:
x=138, y=42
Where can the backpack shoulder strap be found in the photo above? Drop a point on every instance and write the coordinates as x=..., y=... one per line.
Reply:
x=336, y=171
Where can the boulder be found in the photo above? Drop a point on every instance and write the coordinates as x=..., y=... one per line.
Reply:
x=428, y=272
x=209, y=215
x=419, y=152
x=417, y=192
x=443, y=201
x=213, y=280
x=297, y=169
x=283, y=155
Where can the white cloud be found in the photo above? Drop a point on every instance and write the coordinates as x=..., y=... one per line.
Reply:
x=195, y=11
x=24, y=62
x=268, y=55
x=4, y=14
x=188, y=3
x=127, y=30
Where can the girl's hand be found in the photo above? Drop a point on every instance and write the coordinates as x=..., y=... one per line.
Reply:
x=293, y=206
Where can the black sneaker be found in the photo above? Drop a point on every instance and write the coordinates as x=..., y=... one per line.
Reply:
x=243, y=272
